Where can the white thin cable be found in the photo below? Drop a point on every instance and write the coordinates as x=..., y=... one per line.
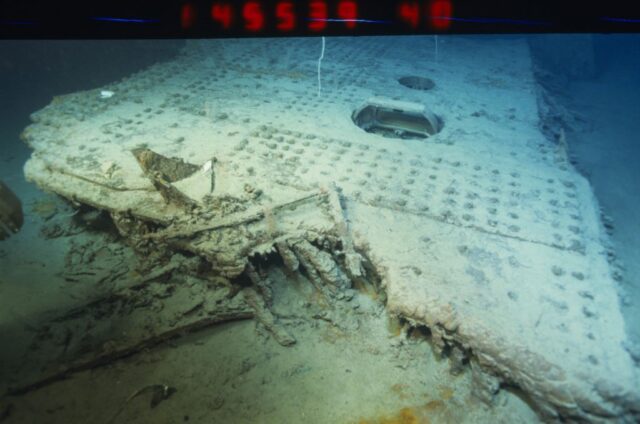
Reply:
x=319, y=62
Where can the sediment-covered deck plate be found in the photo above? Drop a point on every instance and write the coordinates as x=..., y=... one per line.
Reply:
x=483, y=232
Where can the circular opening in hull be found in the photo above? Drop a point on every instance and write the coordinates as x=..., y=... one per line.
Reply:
x=417, y=83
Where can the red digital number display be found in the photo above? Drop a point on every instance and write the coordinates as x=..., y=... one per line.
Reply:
x=223, y=14
x=187, y=15
x=253, y=16
x=285, y=15
x=438, y=13
x=289, y=15
x=348, y=12
x=317, y=15
x=410, y=13
x=441, y=12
